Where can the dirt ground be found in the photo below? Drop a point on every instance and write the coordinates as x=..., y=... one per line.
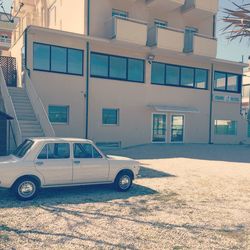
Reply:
x=188, y=197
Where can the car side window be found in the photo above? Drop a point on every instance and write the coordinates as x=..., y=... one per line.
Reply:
x=85, y=151
x=55, y=151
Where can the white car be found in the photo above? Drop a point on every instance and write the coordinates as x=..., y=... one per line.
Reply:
x=56, y=162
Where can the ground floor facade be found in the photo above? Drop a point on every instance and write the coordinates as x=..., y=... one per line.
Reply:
x=175, y=98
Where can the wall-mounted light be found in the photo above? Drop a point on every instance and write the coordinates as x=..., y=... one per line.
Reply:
x=150, y=58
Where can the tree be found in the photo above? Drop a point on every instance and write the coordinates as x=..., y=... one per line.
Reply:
x=238, y=22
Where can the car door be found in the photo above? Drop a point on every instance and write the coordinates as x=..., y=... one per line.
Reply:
x=89, y=166
x=54, y=164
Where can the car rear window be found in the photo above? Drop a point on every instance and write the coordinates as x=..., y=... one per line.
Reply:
x=23, y=148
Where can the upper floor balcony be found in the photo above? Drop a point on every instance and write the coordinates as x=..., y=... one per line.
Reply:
x=127, y=30
x=166, y=38
x=5, y=43
x=180, y=41
x=197, y=10
x=166, y=5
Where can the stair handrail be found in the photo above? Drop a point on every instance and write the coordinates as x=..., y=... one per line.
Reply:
x=10, y=109
x=38, y=107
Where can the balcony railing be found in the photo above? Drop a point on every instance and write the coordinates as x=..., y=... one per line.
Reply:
x=195, y=8
x=166, y=38
x=127, y=30
x=5, y=43
x=205, y=46
x=165, y=5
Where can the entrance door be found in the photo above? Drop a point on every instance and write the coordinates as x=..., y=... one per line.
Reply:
x=177, y=128
x=159, y=128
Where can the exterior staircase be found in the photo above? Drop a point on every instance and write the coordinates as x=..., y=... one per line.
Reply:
x=29, y=125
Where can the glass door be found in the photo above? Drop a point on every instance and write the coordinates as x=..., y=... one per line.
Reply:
x=159, y=128
x=177, y=128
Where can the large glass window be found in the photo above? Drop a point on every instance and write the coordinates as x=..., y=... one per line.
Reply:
x=187, y=77
x=110, y=116
x=55, y=151
x=167, y=74
x=59, y=114
x=227, y=82
x=172, y=75
x=201, y=76
x=85, y=150
x=117, y=67
x=75, y=59
x=136, y=70
x=57, y=59
x=41, y=56
x=248, y=130
x=225, y=127
x=99, y=65
x=158, y=73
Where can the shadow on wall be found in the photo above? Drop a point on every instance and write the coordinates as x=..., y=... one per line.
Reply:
x=229, y=153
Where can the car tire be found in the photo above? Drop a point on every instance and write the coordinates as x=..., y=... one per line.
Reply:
x=26, y=189
x=123, y=181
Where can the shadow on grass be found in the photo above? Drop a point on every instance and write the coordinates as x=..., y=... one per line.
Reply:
x=74, y=195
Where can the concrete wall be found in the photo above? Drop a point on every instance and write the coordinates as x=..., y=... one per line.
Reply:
x=132, y=99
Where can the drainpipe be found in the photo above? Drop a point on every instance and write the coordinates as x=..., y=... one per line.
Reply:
x=211, y=104
x=87, y=72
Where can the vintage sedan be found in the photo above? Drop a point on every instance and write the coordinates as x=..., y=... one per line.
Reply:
x=56, y=162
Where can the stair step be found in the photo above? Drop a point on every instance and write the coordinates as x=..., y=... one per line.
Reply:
x=29, y=123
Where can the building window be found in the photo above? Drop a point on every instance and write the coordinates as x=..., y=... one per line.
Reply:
x=160, y=23
x=225, y=127
x=110, y=116
x=41, y=57
x=59, y=114
x=119, y=13
x=187, y=77
x=248, y=130
x=117, y=67
x=227, y=82
x=174, y=75
x=57, y=59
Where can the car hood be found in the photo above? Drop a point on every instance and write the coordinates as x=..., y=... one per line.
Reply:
x=8, y=159
x=119, y=158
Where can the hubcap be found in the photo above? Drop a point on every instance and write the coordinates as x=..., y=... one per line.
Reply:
x=124, y=182
x=26, y=189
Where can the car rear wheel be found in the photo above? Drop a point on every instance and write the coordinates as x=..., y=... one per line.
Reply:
x=26, y=189
x=123, y=181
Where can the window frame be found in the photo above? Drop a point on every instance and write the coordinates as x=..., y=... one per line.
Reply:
x=67, y=62
x=121, y=12
x=46, y=144
x=93, y=147
x=117, y=115
x=117, y=78
x=227, y=134
x=180, y=76
x=68, y=114
x=239, y=82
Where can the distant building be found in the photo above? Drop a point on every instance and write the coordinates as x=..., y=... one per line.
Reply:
x=6, y=29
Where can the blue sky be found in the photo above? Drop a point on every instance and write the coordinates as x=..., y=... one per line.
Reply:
x=226, y=50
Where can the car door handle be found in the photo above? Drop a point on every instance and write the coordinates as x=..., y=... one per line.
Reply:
x=77, y=162
x=39, y=163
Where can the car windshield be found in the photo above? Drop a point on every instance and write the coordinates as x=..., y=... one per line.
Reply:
x=23, y=148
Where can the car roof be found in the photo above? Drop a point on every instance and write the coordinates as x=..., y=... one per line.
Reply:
x=58, y=139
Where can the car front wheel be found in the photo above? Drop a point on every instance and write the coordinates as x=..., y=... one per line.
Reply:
x=123, y=181
x=26, y=189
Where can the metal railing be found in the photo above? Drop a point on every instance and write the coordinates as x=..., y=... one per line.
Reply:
x=38, y=107
x=10, y=109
